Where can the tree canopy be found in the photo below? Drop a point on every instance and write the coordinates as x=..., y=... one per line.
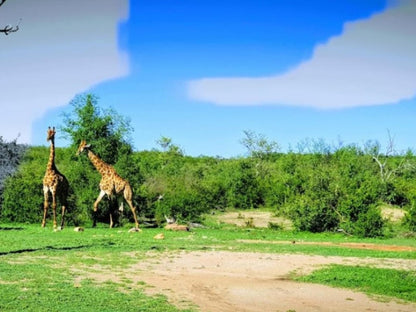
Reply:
x=106, y=130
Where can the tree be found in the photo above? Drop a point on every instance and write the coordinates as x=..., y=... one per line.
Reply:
x=8, y=28
x=387, y=171
x=108, y=134
x=106, y=130
x=258, y=146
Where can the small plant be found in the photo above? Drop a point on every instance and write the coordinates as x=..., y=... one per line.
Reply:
x=274, y=226
x=410, y=219
x=249, y=222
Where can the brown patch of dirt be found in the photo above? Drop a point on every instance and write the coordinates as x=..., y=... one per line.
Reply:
x=378, y=247
x=243, y=281
x=350, y=245
x=260, y=219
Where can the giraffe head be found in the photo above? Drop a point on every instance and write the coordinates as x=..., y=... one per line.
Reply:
x=50, y=134
x=83, y=146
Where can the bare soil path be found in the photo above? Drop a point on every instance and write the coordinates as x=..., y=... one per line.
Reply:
x=236, y=281
x=221, y=281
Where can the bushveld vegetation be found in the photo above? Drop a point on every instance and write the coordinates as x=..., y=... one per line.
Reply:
x=318, y=186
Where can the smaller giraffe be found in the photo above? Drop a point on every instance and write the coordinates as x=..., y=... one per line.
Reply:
x=110, y=182
x=55, y=183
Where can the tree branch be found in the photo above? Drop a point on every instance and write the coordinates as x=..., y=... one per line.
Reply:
x=8, y=28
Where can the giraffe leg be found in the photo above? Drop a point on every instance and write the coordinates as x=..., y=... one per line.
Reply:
x=63, y=199
x=133, y=210
x=127, y=196
x=111, y=220
x=45, y=205
x=63, y=215
x=94, y=219
x=54, y=209
x=100, y=196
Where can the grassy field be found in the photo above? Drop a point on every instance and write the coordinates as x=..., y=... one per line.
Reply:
x=40, y=268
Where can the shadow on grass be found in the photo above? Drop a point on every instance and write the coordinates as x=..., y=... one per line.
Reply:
x=43, y=248
x=11, y=228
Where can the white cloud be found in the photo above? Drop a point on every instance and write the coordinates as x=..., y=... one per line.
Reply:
x=62, y=48
x=371, y=63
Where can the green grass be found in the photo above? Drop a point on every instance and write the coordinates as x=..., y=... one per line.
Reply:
x=387, y=282
x=41, y=287
x=33, y=238
x=41, y=270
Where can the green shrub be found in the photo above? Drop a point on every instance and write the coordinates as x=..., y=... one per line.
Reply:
x=274, y=226
x=410, y=219
x=369, y=224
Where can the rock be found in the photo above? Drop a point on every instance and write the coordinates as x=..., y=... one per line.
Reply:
x=134, y=230
x=159, y=236
x=176, y=227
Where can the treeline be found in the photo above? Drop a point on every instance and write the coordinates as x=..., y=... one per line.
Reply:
x=320, y=188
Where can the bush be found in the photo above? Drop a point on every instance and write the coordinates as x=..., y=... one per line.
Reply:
x=369, y=224
x=319, y=191
x=410, y=219
x=312, y=215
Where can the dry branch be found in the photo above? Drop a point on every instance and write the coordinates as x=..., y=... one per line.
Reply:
x=9, y=28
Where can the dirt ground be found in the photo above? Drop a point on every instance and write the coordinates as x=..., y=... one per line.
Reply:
x=250, y=282
x=228, y=281
x=236, y=281
x=259, y=219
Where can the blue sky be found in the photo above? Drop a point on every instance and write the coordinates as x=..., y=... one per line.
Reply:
x=202, y=72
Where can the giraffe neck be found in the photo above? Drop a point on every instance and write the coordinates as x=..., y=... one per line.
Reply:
x=99, y=164
x=51, y=161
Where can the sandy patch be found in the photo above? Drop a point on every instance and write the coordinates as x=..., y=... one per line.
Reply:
x=237, y=281
x=367, y=246
x=260, y=219
x=226, y=281
x=392, y=214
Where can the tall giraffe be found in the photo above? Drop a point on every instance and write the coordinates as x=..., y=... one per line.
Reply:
x=110, y=182
x=54, y=182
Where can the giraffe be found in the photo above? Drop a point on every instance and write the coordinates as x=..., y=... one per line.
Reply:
x=110, y=182
x=54, y=182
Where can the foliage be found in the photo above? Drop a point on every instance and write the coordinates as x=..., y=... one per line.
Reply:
x=320, y=187
x=23, y=198
x=369, y=224
x=318, y=192
x=108, y=134
x=105, y=130
x=410, y=218
x=258, y=146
